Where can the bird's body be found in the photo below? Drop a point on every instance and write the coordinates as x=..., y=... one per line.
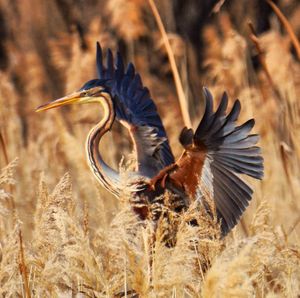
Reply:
x=213, y=157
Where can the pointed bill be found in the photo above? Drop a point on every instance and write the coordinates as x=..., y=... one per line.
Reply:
x=66, y=100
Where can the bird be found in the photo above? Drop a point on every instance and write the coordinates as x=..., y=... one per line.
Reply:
x=215, y=157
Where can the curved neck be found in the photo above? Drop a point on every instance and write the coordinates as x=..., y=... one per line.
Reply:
x=108, y=177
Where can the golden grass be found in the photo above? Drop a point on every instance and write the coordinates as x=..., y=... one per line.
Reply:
x=62, y=235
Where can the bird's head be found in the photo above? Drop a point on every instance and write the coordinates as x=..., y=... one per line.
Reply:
x=91, y=92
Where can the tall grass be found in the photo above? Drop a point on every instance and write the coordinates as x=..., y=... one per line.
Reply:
x=62, y=235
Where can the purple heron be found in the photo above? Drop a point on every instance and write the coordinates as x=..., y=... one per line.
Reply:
x=213, y=158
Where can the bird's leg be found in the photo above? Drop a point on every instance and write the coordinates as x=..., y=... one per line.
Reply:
x=161, y=176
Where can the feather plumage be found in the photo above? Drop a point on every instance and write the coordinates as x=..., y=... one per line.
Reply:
x=134, y=106
x=232, y=151
x=214, y=156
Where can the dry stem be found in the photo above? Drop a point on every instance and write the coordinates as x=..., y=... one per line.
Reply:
x=179, y=88
x=287, y=26
x=261, y=58
x=23, y=269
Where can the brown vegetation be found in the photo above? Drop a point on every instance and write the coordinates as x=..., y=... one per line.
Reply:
x=61, y=234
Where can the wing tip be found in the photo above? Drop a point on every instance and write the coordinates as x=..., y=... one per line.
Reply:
x=98, y=51
x=207, y=94
x=238, y=104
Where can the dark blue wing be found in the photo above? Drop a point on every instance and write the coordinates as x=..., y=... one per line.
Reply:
x=135, y=107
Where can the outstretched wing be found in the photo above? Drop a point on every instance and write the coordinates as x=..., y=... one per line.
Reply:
x=136, y=110
x=217, y=153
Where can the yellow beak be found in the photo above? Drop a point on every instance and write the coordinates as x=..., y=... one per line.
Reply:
x=66, y=100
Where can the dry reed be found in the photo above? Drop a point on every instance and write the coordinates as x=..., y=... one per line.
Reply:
x=77, y=240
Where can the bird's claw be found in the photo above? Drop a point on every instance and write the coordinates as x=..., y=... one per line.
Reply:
x=155, y=180
x=161, y=177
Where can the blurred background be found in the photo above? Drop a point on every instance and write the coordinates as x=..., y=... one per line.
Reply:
x=47, y=49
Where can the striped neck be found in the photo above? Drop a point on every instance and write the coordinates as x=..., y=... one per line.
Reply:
x=108, y=177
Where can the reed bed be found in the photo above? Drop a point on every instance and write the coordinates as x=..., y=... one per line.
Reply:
x=61, y=234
